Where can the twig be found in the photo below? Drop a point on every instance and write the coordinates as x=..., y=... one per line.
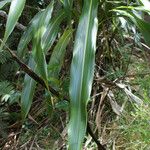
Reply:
x=99, y=145
x=30, y=72
x=39, y=80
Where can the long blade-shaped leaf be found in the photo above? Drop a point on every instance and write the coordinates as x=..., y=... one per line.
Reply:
x=29, y=82
x=27, y=35
x=3, y=3
x=52, y=31
x=68, y=6
x=143, y=26
x=28, y=90
x=15, y=11
x=57, y=56
x=38, y=51
x=82, y=71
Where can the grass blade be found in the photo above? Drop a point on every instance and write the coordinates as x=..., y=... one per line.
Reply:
x=15, y=11
x=3, y=3
x=57, y=56
x=28, y=91
x=52, y=31
x=143, y=26
x=82, y=71
x=39, y=28
x=29, y=83
x=27, y=36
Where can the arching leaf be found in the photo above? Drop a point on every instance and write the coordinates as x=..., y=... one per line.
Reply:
x=15, y=11
x=57, y=56
x=3, y=3
x=143, y=26
x=82, y=71
x=28, y=33
x=39, y=28
x=52, y=31
x=28, y=90
x=27, y=36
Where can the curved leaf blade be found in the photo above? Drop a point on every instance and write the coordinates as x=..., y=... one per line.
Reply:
x=57, y=56
x=82, y=71
x=39, y=28
x=68, y=6
x=3, y=3
x=143, y=26
x=52, y=31
x=29, y=82
x=28, y=91
x=15, y=11
x=27, y=36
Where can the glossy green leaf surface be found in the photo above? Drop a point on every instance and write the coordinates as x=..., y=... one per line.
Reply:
x=39, y=29
x=28, y=33
x=57, y=57
x=15, y=11
x=82, y=72
x=68, y=6
x=28, y=90
x=52, y=31
x=27, y=36
x=29, y=82
x=143, y=26
x=3, y=3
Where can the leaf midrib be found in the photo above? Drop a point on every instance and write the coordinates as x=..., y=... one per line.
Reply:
x=85, y=47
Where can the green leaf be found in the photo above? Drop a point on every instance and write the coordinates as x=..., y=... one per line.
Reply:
x=143, y=26
x=57, y=57
x=68, y=7
x=39, y=28
x=52, y=31
x=5, y=88
x=15, y=11
x=27, y=35
x=29, y=86
x=62, y=105
x=82, y=72
x=28, y=90
x=3, y=3
x=25, y=39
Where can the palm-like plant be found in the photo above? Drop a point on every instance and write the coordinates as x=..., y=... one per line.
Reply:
x=79, y=17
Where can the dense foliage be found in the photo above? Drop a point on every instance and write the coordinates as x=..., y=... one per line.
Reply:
x=74, y=74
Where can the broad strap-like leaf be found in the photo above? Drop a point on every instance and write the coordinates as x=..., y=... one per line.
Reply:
x=15, y=11
x=39, y=28
x=57, y=57
x=29, y=82
x=143, y=26
x=82, y=72
x=27, y=36
x=28, y=33
x=3, y=3
x=28, y=90
x=68, y=6
x=52, y=31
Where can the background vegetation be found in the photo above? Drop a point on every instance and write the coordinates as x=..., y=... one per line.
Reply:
x=49, y=48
